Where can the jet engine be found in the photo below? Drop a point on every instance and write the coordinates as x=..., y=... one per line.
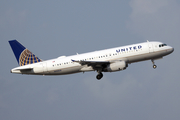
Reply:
x=116, y=66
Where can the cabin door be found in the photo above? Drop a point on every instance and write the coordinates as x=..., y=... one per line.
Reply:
x=150, y=47
x=44, y=67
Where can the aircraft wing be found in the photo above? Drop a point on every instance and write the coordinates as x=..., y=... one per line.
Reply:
x=95, y=64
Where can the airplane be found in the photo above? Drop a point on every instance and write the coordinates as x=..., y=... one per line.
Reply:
x=108, y=60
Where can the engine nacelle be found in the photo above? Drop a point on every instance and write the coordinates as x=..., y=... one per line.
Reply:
x=116, y=66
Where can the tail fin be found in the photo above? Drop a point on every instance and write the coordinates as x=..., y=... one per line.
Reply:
x=22, y=54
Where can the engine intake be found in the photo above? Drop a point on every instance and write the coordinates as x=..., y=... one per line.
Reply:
x=116, y=66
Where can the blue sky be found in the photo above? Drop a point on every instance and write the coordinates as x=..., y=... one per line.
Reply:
x=54, y=28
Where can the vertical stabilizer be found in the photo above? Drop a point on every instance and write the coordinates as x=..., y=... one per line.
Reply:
x=22, y=54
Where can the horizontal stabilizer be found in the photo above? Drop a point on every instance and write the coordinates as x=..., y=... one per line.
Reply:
x=27, y=67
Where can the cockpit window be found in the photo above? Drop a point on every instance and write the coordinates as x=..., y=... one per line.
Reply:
x=162, y=45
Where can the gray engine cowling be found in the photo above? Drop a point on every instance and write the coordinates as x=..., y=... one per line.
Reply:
x=116, y=66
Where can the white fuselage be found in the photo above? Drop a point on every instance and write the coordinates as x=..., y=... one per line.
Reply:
x=66, y=65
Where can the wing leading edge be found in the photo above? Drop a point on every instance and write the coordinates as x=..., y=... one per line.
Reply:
x=96, y=65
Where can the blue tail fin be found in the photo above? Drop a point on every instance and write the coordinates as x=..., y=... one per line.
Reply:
x=22, y=54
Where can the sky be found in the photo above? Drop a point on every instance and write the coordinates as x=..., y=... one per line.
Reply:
x=54, y=28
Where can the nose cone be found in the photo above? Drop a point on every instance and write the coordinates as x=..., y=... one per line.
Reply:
x=170, y=50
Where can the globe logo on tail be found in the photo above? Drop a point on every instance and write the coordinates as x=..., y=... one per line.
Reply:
x=28, y=57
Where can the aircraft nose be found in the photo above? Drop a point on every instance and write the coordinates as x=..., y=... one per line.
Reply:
x=170, y=50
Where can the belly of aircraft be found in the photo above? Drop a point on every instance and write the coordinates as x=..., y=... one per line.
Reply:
x=64, y=71
x=142, y=57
